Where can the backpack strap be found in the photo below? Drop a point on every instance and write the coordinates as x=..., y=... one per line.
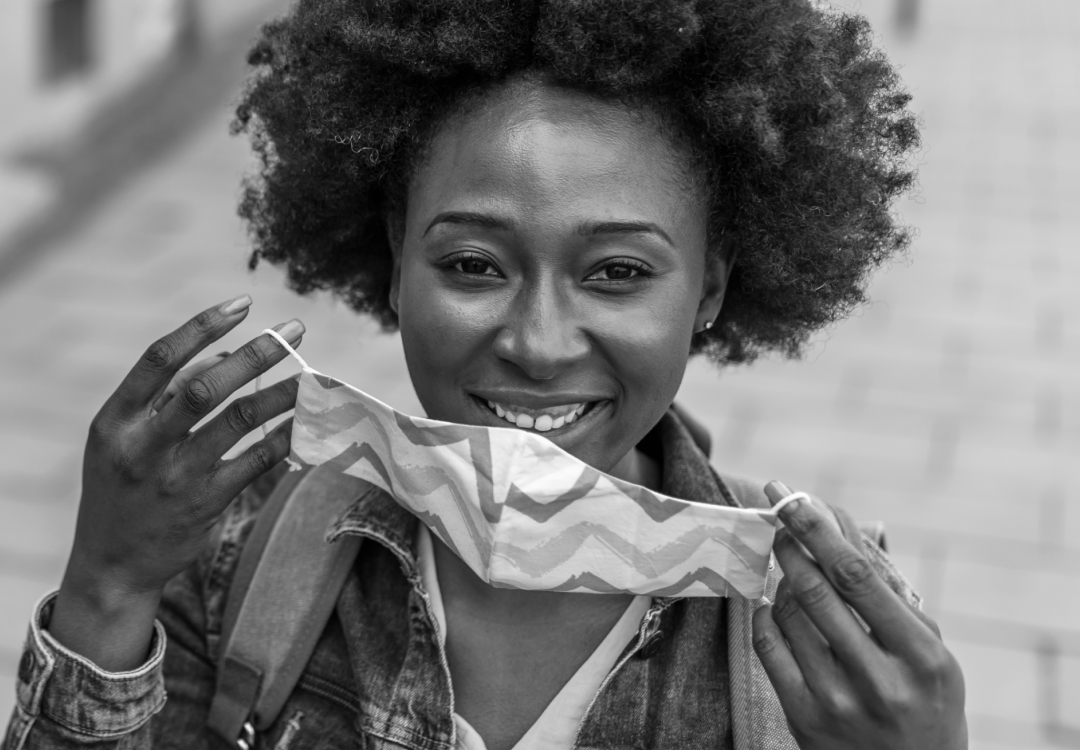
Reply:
x=286, y=586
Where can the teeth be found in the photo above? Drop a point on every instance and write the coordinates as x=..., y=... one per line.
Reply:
x=542, y=422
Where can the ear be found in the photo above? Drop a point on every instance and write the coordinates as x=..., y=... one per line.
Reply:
x=395, y=236
x=717, y=272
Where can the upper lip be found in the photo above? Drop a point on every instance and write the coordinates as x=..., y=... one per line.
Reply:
x=533, y=400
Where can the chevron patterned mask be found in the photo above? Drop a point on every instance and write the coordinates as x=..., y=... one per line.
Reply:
x=525, y=514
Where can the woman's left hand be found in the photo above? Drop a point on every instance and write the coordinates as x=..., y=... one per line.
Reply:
x=841, y=687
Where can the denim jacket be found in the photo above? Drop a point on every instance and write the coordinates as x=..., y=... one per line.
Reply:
x=380, y=679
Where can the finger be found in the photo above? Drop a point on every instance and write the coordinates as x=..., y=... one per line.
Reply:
x=236, y=474
x=819, y=602
x=205, y=391
x=808, y=646
x=162, y=359
x=180, y=379
x=241, y=417
x=927, y=621
x=779, y=663
x=853, y=579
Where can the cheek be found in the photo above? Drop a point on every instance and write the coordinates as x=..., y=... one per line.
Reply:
x=440, y=320
x=649, y=346
x=441, y=338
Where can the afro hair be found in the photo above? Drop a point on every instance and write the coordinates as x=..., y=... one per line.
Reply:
x=801, y=123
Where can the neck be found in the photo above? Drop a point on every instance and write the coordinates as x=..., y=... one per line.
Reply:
x=638, y=468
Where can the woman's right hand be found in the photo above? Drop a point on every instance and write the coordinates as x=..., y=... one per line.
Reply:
x=153, y=487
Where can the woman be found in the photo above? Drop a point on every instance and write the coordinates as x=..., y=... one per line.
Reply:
x=557, y=204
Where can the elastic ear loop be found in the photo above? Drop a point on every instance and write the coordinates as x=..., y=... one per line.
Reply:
x=258, y=379
x=799, y=496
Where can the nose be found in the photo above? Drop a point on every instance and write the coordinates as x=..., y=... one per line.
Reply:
x=541, y=335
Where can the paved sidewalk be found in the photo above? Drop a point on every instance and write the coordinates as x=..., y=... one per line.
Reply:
x=950, y=408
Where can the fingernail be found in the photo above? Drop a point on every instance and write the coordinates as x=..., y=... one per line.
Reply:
x=791, y=508
x=291, y=330
x=236, y=305
x=776, y=491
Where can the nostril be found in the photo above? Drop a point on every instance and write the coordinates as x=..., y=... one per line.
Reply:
x=540, y=355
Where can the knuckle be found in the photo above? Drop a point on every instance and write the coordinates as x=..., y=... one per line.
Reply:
x=854, y=576
x=815, y=593
x=765, y=642
x=205, y=322
x=927, y=621
x=807, y=524
x=242, y=416
x=101, y=430
x=262, y=457
x=198, y=396
x=128, y=467
x=838, y=703
x=897, y=698
x=160, y=355
x=937, y=661
x=785, y=608
x=254, y=356
x=171, y=480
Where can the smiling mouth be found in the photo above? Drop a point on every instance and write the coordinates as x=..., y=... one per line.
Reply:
x=541, y=420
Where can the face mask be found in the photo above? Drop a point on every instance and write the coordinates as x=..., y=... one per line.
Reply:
x=522, y=512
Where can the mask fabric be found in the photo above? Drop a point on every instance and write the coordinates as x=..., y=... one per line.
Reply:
x=522, y=512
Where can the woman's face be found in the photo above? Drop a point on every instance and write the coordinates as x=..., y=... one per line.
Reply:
x=552, y=270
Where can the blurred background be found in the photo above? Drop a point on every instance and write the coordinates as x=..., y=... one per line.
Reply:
x=949, y=408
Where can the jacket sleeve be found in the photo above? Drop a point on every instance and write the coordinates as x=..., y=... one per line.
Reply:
x=66, y=701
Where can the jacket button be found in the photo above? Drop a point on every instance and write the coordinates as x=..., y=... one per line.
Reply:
x=26, y=666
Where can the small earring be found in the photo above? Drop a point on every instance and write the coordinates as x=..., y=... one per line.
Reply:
x=708, y=325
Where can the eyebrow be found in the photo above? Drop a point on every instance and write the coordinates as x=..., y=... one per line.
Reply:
x=586, y=229
x=468, y=219
x=590, y=229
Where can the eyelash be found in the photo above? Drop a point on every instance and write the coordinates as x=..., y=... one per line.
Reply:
x=453, y=261
x=643, y=270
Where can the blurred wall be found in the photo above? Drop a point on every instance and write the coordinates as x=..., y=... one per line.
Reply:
x=62, y=59
x=65, y=65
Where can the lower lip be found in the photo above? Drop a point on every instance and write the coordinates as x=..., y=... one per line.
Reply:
x=589, y=414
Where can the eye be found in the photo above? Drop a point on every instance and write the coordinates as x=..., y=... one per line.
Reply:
x=473, y=265
x=621, y=270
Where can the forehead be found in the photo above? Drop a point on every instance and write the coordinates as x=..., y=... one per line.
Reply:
x=535, y=147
